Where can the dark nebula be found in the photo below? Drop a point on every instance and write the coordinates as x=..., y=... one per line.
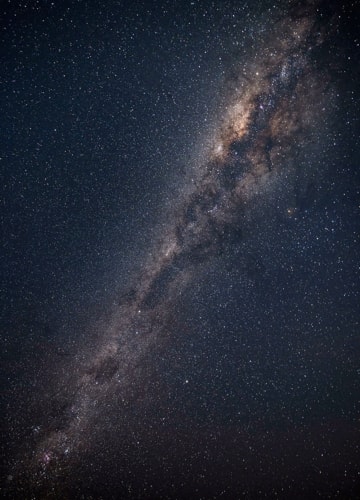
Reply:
x=228, y=364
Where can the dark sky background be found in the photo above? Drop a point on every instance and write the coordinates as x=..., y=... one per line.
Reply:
x=96, y=106
x=105, y=110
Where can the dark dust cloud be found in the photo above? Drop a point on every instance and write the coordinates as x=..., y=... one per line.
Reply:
x=180, y=249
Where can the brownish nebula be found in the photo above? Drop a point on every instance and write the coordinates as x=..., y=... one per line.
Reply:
x=274, y=112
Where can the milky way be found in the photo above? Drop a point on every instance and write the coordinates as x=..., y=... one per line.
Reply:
x=277, y=104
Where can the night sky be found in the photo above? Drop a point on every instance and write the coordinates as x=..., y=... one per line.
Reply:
x=180, y=219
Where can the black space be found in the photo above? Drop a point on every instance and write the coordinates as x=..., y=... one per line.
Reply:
x=252, y=387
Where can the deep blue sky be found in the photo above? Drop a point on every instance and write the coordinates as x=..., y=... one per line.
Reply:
x=104, y=109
